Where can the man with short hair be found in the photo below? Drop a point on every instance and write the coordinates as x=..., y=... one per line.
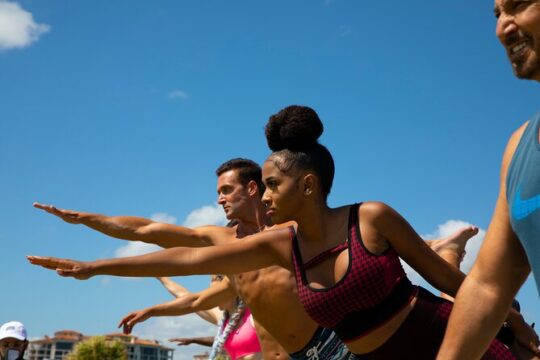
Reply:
x=13, y=341
x=512, y=244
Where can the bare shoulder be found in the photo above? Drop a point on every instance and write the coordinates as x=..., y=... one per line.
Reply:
x=282, y=226
x=277, y=233
x=216, y=235
x=511, y=148
x=375, y=210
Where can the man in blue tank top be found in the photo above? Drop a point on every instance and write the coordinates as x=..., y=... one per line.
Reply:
x=512, y=244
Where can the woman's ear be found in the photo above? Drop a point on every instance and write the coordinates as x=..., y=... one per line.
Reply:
x=309, y=184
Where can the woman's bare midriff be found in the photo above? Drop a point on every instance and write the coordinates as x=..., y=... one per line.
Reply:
x=381, y=334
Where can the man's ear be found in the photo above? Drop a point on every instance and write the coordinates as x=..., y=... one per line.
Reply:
x=252, y=188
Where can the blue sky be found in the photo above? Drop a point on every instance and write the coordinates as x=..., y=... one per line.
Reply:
x=127, y=107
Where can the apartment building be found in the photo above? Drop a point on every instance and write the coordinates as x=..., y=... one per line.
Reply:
x=63, y=342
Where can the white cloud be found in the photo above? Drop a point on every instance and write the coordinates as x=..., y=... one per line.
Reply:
x=164, y=328
x=178, y=95
x=444, y=230
x=17, y=26
x=164, y=218
x=206, y=215
x=135, y=248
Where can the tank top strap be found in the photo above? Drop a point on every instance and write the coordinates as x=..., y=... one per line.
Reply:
x=317, y=259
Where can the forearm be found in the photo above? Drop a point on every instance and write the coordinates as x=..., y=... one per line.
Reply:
x=476, y=318
x=169, y=262
x=178, y=307
x=121, y=227
x=212, y=316
x=141, y=229
x=172, y=287
x=204, y=341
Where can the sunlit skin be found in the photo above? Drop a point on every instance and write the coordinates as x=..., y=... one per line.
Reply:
x=501, y=267
x=518, y=30
x=12, y=343
x=185, y=304
x=232, y=196
x=269, y=292
x=296, y=197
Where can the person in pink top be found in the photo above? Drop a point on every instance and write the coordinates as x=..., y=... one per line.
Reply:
x=236, y=331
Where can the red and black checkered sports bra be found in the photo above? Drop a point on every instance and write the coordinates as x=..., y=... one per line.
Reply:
x=373, y=289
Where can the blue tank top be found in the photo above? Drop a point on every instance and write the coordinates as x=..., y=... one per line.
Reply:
x=523, y=195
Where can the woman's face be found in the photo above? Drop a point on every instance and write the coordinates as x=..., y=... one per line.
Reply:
x=283, y=196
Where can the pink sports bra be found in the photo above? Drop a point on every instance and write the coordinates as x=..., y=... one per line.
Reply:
x=373, y=289
x=243, y=340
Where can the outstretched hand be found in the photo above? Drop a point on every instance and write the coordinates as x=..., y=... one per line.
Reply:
x=182, y=341
x=129, y=321
x=64, y=267
x=70, y=216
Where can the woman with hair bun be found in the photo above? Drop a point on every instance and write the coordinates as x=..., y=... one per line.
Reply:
x=345, y=259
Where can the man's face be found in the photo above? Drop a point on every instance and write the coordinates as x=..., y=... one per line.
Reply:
x=232, y=195
x=518, y=30
x=11, y=346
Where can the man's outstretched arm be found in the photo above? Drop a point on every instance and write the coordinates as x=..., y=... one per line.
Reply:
x=485, y=296
x=136, y=228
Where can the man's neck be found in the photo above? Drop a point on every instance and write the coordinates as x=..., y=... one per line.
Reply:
x=255, y=222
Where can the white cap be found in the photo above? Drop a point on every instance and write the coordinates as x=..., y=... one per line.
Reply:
x=13, y=329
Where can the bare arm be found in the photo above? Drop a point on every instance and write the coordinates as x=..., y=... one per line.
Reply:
x=409, y=246
x=253, y=252
x=174, y=288
x=204, y=341
x=499, y=272
x=137, y=228
x=213, y=314
x=431, y=266
x=186, y=304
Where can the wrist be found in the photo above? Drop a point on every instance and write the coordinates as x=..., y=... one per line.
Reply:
x=87, y=218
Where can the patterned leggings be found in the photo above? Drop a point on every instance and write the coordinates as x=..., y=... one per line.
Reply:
x=324, y=345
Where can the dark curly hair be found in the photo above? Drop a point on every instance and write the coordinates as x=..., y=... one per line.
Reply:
x=292, y=134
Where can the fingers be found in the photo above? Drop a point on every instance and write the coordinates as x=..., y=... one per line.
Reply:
x=51, y=262
x=127, y=323
x=68, y=273
x=48, y=208
x=124, y=319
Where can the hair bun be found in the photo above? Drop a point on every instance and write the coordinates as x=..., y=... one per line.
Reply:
x=294, y=128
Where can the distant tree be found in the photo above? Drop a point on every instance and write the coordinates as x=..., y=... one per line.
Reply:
x=99, y=348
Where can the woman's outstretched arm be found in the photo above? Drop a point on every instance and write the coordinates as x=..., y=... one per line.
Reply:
x=408, y=244
x=186, y=304
x=251, y=253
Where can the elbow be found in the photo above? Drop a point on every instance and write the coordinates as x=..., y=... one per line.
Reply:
x=195, y=302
